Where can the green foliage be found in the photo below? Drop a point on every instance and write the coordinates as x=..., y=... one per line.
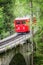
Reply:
x=38, y=58
x=1, y=20
x=1, y=17
x=21, y=8
x=6, y=18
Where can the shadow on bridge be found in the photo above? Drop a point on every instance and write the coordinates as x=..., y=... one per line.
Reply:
x=18, y=59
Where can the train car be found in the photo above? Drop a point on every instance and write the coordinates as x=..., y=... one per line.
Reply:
x=22, y=25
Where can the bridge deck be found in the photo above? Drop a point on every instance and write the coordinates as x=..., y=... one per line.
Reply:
x=13, y=41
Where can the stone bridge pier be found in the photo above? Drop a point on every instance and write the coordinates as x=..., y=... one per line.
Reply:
x=19, y=55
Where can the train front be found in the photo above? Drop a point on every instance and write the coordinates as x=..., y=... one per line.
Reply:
x=22, y=25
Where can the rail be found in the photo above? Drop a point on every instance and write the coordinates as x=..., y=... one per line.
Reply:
x=13, y=41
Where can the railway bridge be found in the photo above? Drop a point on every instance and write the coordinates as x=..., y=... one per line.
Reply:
x=16, y=50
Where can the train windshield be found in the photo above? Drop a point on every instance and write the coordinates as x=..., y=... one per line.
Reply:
x=23, y=22
x=17, y=22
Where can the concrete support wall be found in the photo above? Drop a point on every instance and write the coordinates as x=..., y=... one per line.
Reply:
x=24, y=49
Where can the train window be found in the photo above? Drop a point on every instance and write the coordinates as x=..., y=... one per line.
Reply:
x=23, y=22
x=17, y=22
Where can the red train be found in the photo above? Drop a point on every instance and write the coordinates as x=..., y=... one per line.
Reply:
x=22, y=24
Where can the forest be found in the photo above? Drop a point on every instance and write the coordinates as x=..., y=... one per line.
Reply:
x=10, y=9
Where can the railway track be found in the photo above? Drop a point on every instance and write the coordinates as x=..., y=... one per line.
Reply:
x=13, y=41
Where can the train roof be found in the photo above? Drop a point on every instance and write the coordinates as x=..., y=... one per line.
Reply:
x=22, y=18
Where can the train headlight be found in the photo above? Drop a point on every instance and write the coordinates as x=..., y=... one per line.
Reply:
x=18, y=28
x=23, y=27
